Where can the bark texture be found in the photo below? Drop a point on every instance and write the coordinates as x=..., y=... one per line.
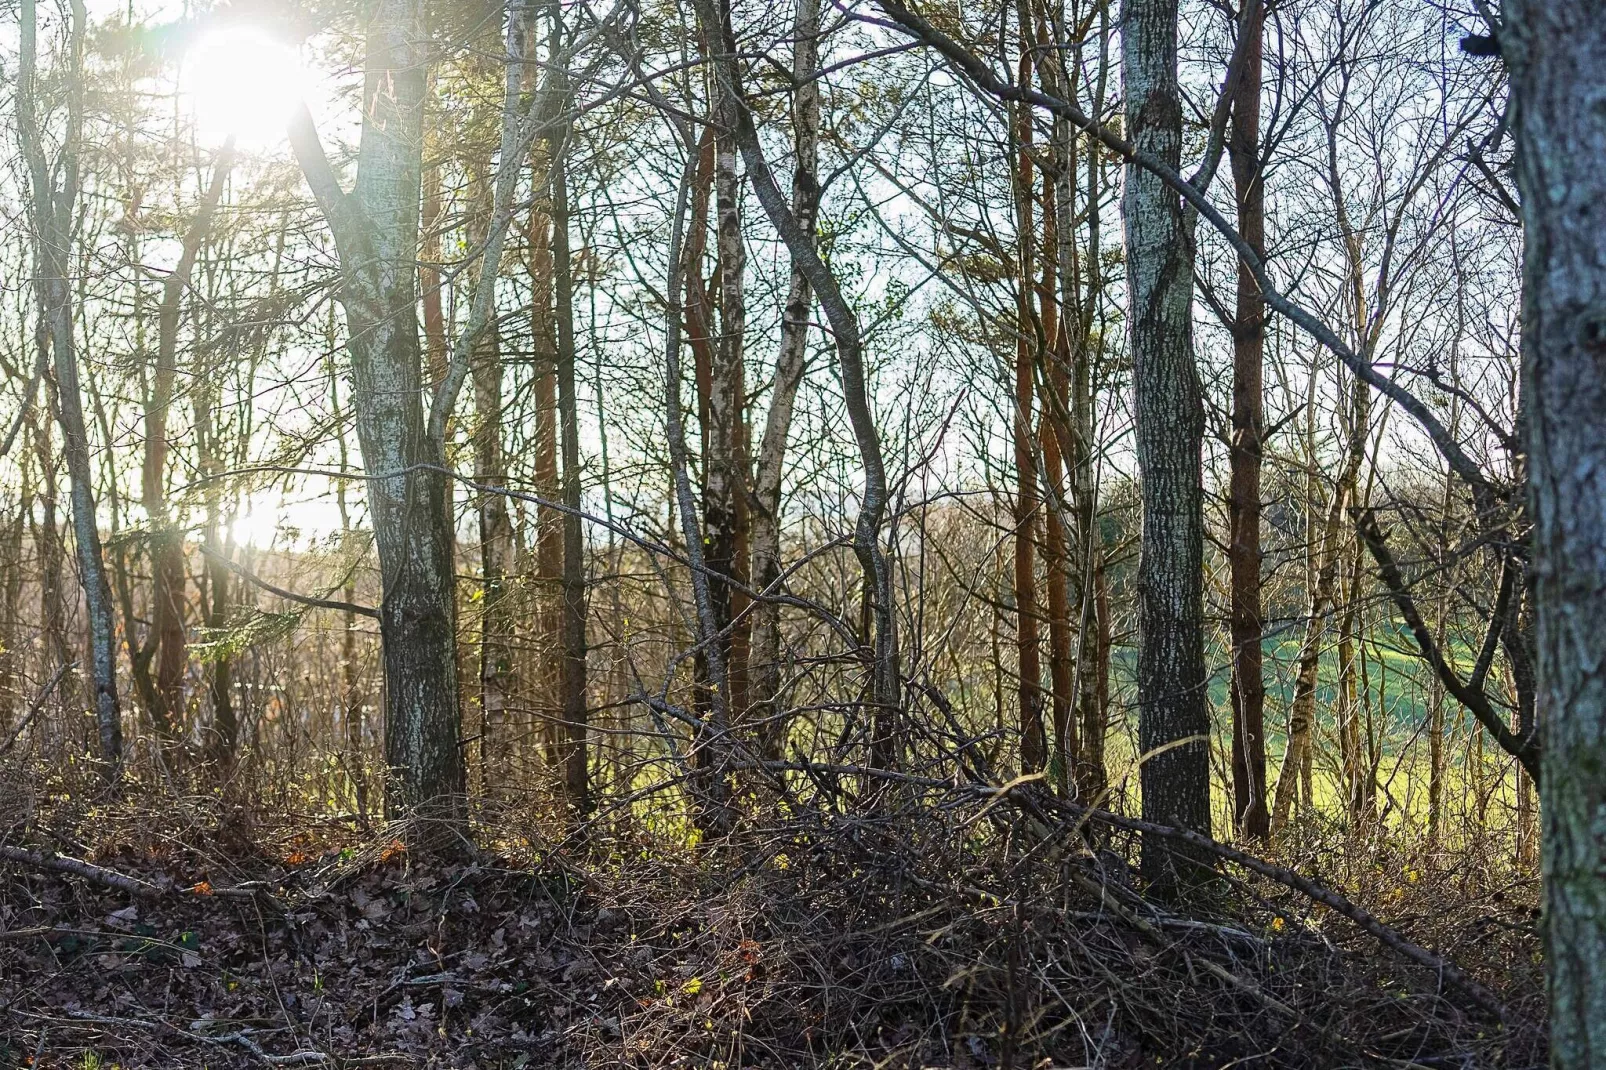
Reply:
x=572, y=679
x=1556, y=53
x=765, y=656
x=1251, y=812
x=1173, y=718
x=376, y=229
x=1029, y=693
x=886, y=683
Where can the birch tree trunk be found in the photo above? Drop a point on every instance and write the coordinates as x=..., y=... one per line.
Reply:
x=1556, y=53
x=765, y=654
x=1173, y=720
x=724, y=478
x=886, y=683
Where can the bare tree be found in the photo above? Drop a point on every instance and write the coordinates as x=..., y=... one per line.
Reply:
x=376, y=232
x=168, y=571
x=1173, y=718
x=1251, y=813
x=789, y=364
x=54, y=186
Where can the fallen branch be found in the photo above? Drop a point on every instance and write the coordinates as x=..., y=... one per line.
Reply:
x=122, y=882
x=1035, y=802
x=106, y=878
x=243, y=1038
x=1334, y=901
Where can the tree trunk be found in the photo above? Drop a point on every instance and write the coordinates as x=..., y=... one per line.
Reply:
x=576, y=776
x=886, y=683
x=1355, y=758
x=1173, y=720
x=765, y=657
x=498, y=557
x=548, y=520
x=52, y=581
x=168, y=572
x=720, y=389
x=725, y=483
x=1029, y=691
x=1555, y=54
x=376, y=230
x=54, y=192
x=1054, y=358
x=498, y=564
x=1093, y=608
x=12, y=666
x=351, y=696
x=1251, y=815
x=1327, y=558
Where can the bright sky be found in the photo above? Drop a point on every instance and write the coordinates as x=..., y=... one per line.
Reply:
x=242, y=82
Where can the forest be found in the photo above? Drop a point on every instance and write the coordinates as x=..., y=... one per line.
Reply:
x=782, y=533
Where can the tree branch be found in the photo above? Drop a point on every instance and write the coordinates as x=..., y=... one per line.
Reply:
x=989, y=82
x=306, y=600
x=1473, y=698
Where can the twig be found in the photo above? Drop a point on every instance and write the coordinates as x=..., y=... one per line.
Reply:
x=243, y=1038
x=1144, y=926
x=33, y=710
x=1335, y=902
x=1523, y=747
x=1037, y=802
x=306, y=600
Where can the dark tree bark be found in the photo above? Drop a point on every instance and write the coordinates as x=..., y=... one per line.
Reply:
x=1054, y=359
x=576, y=775
x=1555, y=54
x=1251, y=811
x=1173, y=719
x=1028, y=655
x=548, y=520
x=376, y=229
x=217, y=548
x=498, y=564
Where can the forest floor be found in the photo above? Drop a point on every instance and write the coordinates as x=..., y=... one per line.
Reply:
x=213, y=937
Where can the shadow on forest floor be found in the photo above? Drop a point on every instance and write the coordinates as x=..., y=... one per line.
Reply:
x=952, y=935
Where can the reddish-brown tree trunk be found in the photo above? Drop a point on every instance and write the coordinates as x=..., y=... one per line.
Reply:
x=1033, y=744
x=1251, y=812
x=1055, y=429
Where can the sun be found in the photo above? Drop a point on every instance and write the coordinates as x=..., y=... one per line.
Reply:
x=243, y=82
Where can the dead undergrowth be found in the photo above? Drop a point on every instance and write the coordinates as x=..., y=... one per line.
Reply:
x=938, y=929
